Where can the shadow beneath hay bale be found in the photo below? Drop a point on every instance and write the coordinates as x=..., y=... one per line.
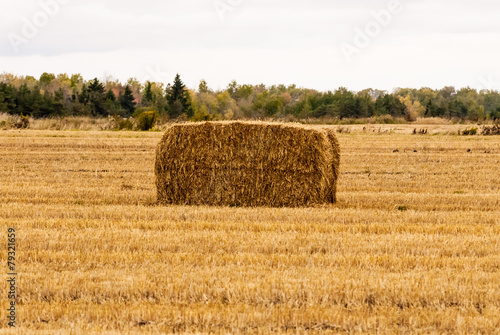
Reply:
x=247, y=164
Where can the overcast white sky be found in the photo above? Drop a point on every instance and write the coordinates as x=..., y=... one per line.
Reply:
x=424, y=43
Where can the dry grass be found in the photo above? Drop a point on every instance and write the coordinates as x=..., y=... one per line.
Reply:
x=412, y=246
x=405, y=129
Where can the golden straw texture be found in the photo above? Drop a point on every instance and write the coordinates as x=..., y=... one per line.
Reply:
x=247, y=164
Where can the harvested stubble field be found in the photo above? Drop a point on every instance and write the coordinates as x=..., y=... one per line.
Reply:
x=412, y=246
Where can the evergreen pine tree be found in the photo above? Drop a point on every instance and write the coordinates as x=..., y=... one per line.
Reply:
x=83, y=96
x=96, y=97
x=127, y=101
x=148, y=94
x=112, y=105
x=59, y=105
x=110, y=95
x=7, y=98
x=178, y=99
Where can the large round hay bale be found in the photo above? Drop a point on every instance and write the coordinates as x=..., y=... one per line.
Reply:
x=247, y=164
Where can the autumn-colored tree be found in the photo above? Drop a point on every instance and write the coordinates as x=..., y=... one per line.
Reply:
x=203, y=87
x=413, y=109
x=46, y=78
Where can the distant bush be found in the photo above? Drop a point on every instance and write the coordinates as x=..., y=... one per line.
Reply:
x=118, y=123
x=468, y=131
x=385, y=119
x=124, y=124
x=14, y=121
x=420, y=132
x=493, y=130
x=22, y=123
x=146, y=120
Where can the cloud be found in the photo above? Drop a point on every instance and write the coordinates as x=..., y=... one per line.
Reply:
x=428, y=43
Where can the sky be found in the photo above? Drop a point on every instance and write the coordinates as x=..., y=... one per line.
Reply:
x=318, y=44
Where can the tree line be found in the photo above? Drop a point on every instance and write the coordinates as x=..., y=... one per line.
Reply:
x=70, y=95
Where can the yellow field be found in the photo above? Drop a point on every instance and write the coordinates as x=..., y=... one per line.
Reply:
x=413, y=246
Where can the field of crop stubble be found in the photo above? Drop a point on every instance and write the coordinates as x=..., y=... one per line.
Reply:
x=412, y=246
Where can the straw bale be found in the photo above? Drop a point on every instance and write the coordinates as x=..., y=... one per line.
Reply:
x=247, y=164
